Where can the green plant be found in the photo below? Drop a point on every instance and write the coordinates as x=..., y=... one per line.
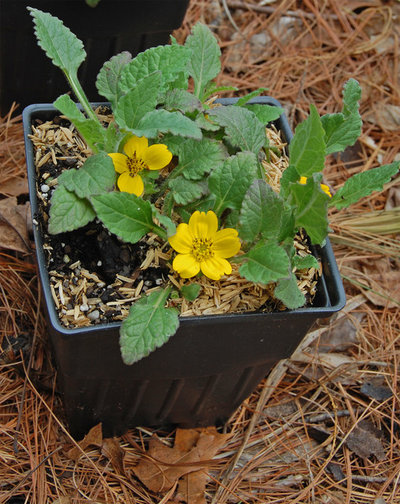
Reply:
x=218, y=178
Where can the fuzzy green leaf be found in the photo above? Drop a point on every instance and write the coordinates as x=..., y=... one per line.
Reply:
x=191, y=291
x=289, y=293
x=266, y=262
x=245, y=99
x=205, y=123
x=68, y=212
x=305, y=262
x=261, y=212
x=311, y=208
x=307, y=148
x=165, y=221
x=59, y=43
x=230, y=181
x=198, y=157
x=212, y=88
x=91, y=130
x=112, y=138
x=204, y=63
x=185, y=191
x=140, y=100
x=362, y=184
x=108, y=77
x=95, y=176
x=126, y=215
x=242, y=128
x=265, y=113
x=148, y=326
x=170, y=61
x=162, y=121
x=182, y=100
x=343, y=129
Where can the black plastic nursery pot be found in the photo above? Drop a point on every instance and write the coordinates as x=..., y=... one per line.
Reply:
x=200, y=376
x=28, y=76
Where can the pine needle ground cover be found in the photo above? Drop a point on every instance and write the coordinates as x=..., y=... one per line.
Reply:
x=323, y=427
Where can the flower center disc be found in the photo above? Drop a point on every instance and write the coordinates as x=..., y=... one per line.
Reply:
x=135, y=165
x=201, y=249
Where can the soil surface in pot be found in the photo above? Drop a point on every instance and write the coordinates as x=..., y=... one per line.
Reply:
x=95, y=277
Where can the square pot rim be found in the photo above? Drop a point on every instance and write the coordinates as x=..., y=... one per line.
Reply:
x=326, y=252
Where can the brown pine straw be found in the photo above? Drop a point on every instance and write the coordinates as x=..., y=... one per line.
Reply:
x=292, y=440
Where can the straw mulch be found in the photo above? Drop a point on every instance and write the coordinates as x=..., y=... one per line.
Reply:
x=324, y=427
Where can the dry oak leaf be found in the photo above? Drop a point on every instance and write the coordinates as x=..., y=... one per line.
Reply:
x=113, y=451
x=13, y=225
x=162, y=466
x=93, y=438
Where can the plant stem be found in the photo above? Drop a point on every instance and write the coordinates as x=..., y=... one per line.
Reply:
x=80, y=94
x=160, y=232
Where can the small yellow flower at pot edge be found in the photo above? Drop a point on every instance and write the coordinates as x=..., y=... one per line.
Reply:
x=138, y=156
x=201, y=247
x=325, y=188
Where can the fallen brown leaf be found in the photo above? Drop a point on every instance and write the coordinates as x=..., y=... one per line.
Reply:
x=93, y=438
x=13, y=225
x=192, y=486
x=14, y=186
x=113, y=451
x=162, y=466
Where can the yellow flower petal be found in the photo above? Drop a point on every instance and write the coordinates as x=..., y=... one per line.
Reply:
x=186, y=265
x=120, y=162
x=136, y=146
x=157, y=156
x=133, y=185
x=182, y=240
x=226, y=243
x=215, y=267
x=203, y=225
x=326, y=190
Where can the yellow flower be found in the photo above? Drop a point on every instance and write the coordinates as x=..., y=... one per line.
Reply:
x=138, y=156
x=201, y=246
x=324, y=187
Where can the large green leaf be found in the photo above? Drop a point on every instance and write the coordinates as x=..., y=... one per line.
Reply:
x=169, y=60
x=109, y=75
x=266, y=262
x=230, y=181
x=162, y=121
x=97, y=175
x=59, y=43
x=68, y=212
x=185, y=191
x=205, y=62
x=289, y=293
x=126, y=215
x=265, y=113
x=149, y=325
x=242, y=128
x=198, y=157
x=362, y=184
x=343, y=129
x=307, y=148
x=261, y=212
x=140, y=100
x=311, y=208
x=182, y=100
